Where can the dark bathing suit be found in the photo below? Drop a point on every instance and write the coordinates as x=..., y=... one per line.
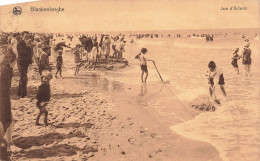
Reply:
x=221, y=80
x=144, y=68
x=247, y=57
x=234, y=61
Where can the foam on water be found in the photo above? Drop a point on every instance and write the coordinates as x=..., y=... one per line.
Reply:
x=233, y=127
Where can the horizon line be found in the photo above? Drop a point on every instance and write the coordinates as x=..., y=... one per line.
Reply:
x=135, y=30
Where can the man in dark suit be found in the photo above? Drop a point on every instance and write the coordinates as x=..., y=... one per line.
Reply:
x=23, y=61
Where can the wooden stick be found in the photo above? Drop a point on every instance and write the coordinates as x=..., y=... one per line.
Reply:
x=157, y=71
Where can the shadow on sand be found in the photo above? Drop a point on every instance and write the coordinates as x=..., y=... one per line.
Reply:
x=74, y=125
x=50, y=138
x=58, y=150
x=65, y=95
x=31, y=92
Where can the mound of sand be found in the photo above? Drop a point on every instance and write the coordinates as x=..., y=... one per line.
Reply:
x=203, y=103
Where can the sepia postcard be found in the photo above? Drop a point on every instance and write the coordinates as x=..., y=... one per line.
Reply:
x=130, y=80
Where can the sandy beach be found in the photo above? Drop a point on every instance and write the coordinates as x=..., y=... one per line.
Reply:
x=90, y=122
x=130, y=80
x=109, y=114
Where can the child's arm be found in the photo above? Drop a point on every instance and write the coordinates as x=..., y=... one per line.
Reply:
x=148, y=59
x=236, y=57
x=207, y=73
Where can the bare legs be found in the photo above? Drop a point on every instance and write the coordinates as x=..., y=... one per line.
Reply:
x=77, y=70
x=236, y=70
x=247, y=70
x=58, y=70
x=223, y=90
x=146, y=75
x=44, y=111
x=213, y=94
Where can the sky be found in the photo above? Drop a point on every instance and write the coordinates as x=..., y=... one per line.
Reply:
x=130, y=15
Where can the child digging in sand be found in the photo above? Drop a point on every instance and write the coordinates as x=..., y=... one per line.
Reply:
x=43, y=96
x=215, y=72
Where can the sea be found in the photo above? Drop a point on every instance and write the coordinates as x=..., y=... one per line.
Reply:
x=234, y=128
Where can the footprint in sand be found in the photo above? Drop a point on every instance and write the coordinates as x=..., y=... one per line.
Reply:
x=156, y=136
x=132, y=141
x=143, y=130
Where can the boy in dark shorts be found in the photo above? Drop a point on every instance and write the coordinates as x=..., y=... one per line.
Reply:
x=234, y=60
x=43, y=96
x=144, y=59
x=59, y=63
x=215, y=72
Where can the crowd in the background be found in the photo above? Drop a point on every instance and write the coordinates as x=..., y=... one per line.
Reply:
x=23, y=49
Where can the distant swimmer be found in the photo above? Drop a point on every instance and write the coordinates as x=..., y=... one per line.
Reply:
x=215, y=72
x=246, y=55
x=234, y=58
x=143, y=58
x=132, y=41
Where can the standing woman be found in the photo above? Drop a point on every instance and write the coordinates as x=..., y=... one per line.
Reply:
x=5, y=79
x=246, y=55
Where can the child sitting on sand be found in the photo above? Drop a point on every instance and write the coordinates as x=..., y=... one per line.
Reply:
x=43, y=96
x=215, y=72
x=234, y=60
x=59, y=63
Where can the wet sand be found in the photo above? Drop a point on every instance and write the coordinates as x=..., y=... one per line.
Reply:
x=91, y=121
